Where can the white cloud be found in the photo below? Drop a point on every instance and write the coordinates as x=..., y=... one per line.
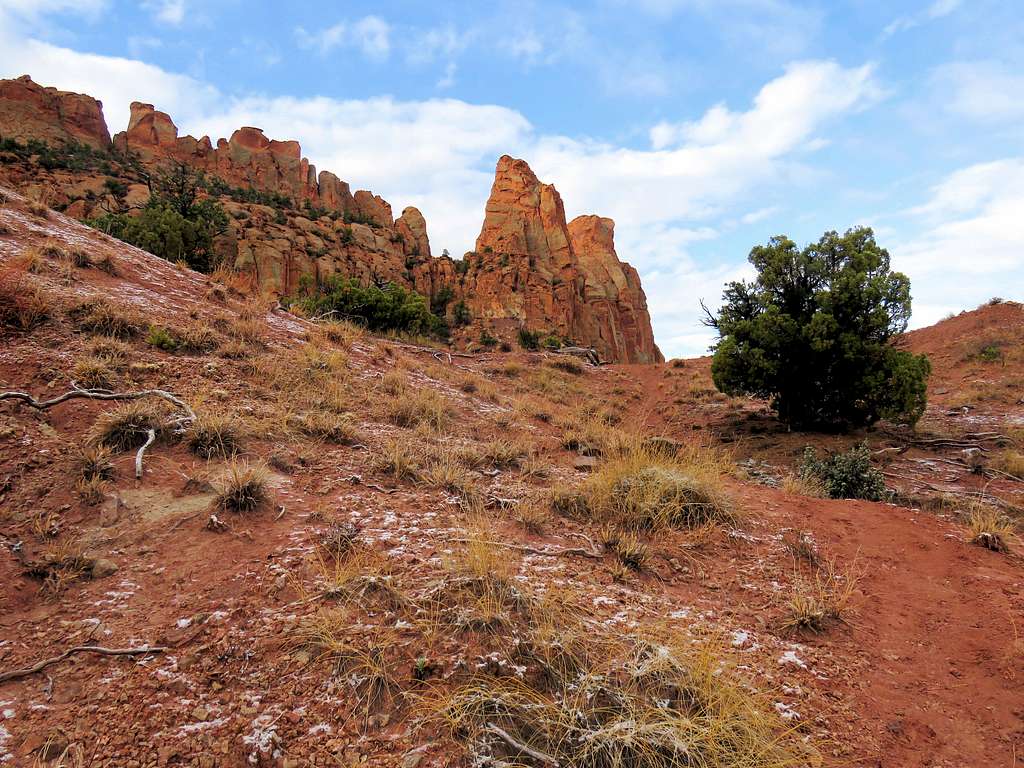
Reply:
x=985, y=91
x=370, y=34
x=937, y=10
x=967, y=240
x=167, y=11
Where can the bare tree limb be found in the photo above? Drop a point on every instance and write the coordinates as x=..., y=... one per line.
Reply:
x=39, y=666
x=520, y=747
x=150, y=439
x=98, y=394
x=547, y=552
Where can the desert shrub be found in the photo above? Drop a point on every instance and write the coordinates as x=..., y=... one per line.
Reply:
x=487, y=340
x=23, y=304
x=243, y=488
x=176, y=224
x=640, y=490
x=388, y=308
x=213, y=434
x=813, y=333
x=529, y=339
x=100, y=317
x=845, y=475
x=126, y=427
x=332, y=427
x=605, y=702
x=567, y=364
x=990, y=529
x=93, y=373
x=93, y=462
x=162, y=338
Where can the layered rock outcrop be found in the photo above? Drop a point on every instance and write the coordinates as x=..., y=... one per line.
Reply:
x=536, y=271
x=31, y=111
x=530, y=268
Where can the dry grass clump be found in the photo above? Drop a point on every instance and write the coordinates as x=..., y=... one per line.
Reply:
x=990, y=529
x=568, y=365
x=23, y=304
x=640, y=490
x=645, y=703
x=341, y=332
x=821, y=600
x=249, y=326
x=332, y=427
x=316, y=359
x=1011, y=462
x=212, y=435
x=114, y=352
x=804, y=485
x=38, y=209
x=126, y=427
x=394, y=383
x=399, y=460
x=91, y=491
x=93, y=462
x=427, y=407
x=364, y=658
x=100, y=317
x=93, y=373
x=197, y=339
x=243, y=488
x=534, y=517
x=502, y=453
x=446, y=469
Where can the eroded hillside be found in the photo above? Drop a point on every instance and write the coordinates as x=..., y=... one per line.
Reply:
x=365, y=550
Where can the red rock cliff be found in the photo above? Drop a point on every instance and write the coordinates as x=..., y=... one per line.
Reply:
x=537, y=272
x=30, y=111
x=530, y=268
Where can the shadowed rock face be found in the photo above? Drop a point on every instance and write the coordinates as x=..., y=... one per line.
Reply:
x=530, y=269
x=30, y=111
x=536, y=271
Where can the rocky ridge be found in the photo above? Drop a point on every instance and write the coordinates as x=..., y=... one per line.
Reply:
x=531, y=269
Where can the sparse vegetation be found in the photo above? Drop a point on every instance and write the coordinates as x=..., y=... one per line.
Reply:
x=213, y=435
x=332, y=427
x=243, y=488
x=126, y=427
x=643, y=491
x=847, y=475
x=990, y=529
x=100, y=317
x=819, y=601
x=23, y=304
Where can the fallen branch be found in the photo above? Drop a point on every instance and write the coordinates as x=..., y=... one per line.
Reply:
x=39, y=666
x=98, y=394
x=519, y=746
x=150, y=439
x=548, y=552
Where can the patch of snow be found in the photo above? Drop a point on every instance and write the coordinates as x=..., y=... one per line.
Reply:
x=786, y=712
x=790, y=658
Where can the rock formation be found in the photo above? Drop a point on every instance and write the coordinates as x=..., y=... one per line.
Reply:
x=535, y=271
x=31, y=111
x=530, y=268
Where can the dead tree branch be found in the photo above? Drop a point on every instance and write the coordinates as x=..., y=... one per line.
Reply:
x=39, y=666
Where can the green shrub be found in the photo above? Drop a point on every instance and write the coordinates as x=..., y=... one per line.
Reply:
x=487, y=340
x=461, y=314
x=161, y=338
x=529, y=339
x=388, y=308
x=813, y=332
x=845, y=475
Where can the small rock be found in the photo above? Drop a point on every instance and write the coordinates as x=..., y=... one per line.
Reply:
x=102, y=567
x=200, y=713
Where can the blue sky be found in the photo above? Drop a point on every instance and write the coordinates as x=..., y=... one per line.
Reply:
x=703, y=127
